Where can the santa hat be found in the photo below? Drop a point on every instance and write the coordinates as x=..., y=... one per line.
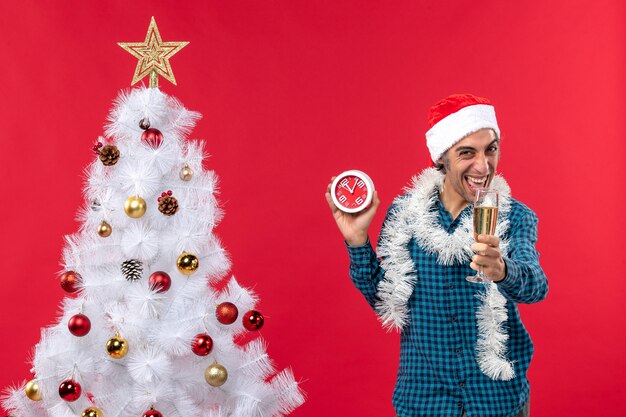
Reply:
x=455, y=117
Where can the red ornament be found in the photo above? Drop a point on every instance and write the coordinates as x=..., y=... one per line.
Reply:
x=253, y=320
x=226, y=313
x=70, y=281
x=160, y=281
x=165, y=194
x=152, y=413
x=70, y=390
x=79, y=325
x=96, y=147
x=153, y=137
x=202, y=344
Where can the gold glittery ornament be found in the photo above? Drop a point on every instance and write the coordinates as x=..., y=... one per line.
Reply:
x=215, y=375
x=104, y=229
x=135, y=207
x=92, y=412
x=117, y=347
x=33, y=391
x=187, y=263
x=153, y=55
x=186, y=173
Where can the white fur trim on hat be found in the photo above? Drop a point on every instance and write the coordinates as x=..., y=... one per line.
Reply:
x=456, y=126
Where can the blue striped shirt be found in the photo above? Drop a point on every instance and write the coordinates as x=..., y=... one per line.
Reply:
x=438, y=373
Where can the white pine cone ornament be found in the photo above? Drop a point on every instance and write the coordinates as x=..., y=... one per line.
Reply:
x=132, y=269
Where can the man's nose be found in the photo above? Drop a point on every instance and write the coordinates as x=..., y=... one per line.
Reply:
x=482, y=164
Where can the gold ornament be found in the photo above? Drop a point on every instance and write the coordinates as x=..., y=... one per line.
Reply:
x=215, y=375
x=135, y=207
x=153, y=55
x=33, y=391
x=92, y=412
x=187, y=263
x=186, y=173
x=117, y=347
x=104, y=229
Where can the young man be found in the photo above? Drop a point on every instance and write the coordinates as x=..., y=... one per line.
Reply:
x=464, y=349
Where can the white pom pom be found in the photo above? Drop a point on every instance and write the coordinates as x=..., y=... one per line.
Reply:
x=137, y=178
x=145, y=302
x=148, y=365
x=140, y=242
x=163, y=158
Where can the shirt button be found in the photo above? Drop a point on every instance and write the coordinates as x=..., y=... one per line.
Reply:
x=457, y=351
x=462, y=384
x=451, y=286
x=452, y=319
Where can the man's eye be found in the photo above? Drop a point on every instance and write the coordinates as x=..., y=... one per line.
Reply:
x=492, y=149
x=465, y=153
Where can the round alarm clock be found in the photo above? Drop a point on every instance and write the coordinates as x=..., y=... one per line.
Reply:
x=352, y=191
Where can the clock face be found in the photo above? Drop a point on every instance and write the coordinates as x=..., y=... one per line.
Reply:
x=352, y=191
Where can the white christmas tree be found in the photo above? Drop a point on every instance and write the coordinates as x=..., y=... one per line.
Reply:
x=144, y=332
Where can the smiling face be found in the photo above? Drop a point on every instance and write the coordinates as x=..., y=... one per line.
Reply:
x=470, y=164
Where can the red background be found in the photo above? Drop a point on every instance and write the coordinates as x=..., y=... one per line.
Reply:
x=293, y=92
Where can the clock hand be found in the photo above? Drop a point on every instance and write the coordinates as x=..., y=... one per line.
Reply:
x=356, y=180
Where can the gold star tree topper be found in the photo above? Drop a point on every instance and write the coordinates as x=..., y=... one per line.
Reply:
x=153, y=55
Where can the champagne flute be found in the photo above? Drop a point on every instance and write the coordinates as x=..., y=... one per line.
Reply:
x=485, y=220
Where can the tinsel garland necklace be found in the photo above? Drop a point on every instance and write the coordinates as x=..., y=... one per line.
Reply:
x=413, y=217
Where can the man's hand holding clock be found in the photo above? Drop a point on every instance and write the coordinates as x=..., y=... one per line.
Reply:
x=352, y=211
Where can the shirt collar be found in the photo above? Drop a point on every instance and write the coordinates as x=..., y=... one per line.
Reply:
x=445, y=217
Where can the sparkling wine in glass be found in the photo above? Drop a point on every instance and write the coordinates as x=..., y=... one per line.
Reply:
x=485, y=220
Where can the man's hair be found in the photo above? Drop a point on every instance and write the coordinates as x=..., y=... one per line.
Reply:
x=441, y=167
